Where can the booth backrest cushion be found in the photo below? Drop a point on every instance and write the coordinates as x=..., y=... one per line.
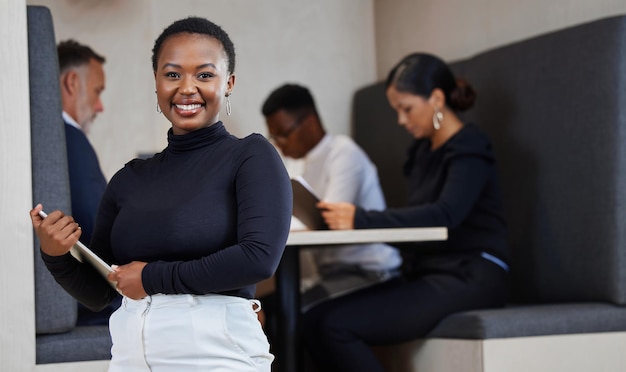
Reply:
x=555, y=109
x=56, y=311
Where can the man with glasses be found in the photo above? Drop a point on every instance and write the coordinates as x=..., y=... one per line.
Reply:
x=336, y=169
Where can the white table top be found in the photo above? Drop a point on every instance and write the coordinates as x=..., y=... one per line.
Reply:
x=412, y=234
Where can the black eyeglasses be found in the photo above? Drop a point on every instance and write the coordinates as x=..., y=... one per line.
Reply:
x=284, y=135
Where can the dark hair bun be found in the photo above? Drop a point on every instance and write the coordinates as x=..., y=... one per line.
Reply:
x=462, y=96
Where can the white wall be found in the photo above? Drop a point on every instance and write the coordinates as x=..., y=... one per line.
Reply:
x=327, y=45
x=455, y=29
x=16, y=237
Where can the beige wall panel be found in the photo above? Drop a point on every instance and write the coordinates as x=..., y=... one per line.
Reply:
x=597, y=352
x=327, y=45
x=17, y=345
x=455, y=29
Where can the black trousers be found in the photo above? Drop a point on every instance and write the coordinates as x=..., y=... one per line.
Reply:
x=338, y=334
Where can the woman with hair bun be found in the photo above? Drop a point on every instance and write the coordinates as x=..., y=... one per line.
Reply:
x=452, y=182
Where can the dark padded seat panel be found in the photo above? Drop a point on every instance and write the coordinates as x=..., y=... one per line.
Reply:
x=554, y=108
x=83, y=343
x=55, y=309
x=376, y=130
x=533, y=320
x=58, y=340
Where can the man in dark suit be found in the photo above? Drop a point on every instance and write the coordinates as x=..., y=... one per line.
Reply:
x=82, y=81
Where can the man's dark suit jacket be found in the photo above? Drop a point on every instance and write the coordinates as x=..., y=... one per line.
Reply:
x=87, y=183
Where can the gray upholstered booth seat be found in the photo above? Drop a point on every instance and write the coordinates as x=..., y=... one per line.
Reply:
x=533, y=320
x=555, y=109
x=80, y=344
x=58, y=338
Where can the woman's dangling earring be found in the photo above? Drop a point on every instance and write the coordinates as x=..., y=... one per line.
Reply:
x=228, y=107
x=158, y=108
x=437, y=118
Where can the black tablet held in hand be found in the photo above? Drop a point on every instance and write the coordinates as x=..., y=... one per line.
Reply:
x=304, y=205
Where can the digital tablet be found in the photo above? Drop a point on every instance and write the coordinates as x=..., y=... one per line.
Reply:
x=305, y=205
x=82, y=253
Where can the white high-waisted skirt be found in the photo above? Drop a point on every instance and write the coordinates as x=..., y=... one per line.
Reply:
x=174, y=333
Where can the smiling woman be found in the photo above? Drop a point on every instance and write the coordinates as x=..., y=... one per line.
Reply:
x=192, y=80
x=224, y=207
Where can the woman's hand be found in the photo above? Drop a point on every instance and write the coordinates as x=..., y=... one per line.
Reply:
x=338, y=216
x=128, y=278
x=57, y=233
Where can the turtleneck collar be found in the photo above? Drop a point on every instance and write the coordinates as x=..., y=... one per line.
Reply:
x=196, y=139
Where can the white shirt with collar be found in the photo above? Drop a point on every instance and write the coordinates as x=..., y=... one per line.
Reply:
x=338, y=170
x=68, y=119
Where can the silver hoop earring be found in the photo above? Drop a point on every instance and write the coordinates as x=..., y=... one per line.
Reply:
x=437, y=118
x=228, y=107
x=158, y=108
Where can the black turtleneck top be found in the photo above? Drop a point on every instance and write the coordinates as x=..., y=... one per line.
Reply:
x=210, y=214
x=456, y=186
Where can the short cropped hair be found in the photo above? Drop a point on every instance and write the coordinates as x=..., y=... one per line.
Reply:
x=74, y=54
x=196, y=25
x=293, y=98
